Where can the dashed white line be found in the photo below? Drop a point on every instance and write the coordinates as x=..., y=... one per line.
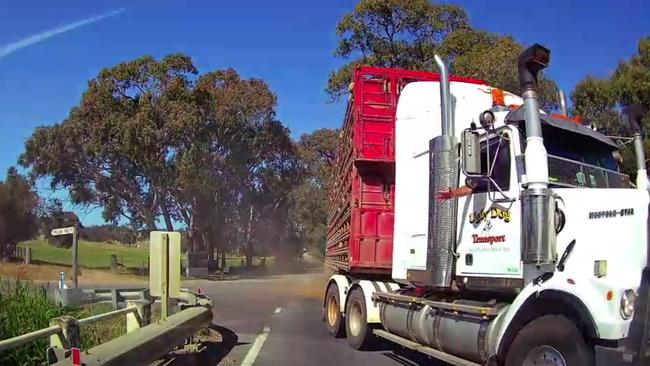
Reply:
x=278, y=310
x=257, y=346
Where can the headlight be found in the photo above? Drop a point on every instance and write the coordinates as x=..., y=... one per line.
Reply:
x=627, y=303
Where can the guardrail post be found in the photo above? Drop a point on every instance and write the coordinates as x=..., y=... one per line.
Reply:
x=141, y=317
x=68, y=337
x=115, y=299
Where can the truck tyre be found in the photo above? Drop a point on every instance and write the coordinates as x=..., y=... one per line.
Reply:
x=332, y=312
x=550, y=340
x=359, y=333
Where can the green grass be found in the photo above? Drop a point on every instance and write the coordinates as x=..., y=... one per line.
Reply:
x=91, y=254
x=26, y=308
x=98, y=255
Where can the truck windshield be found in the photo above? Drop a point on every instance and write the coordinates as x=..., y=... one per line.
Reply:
x=579, y=161
x=571, y=173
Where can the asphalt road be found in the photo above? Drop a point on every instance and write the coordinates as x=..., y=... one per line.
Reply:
x=277, y=321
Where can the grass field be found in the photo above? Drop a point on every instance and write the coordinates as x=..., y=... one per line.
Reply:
x=91, y=254
x=98, y=255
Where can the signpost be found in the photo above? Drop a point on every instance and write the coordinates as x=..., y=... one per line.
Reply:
x=75, y=265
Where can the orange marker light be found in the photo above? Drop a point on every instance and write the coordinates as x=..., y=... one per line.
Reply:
x=610, y=295
x=497, y=97
x=577, y=119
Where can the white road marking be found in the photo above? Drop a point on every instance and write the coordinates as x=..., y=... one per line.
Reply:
x=257, y=346
x=278, y=310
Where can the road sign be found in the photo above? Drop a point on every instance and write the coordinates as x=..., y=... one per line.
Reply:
x=75, y=250
x=63, y=231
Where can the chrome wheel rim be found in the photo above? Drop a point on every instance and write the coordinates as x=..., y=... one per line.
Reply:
x=354, y=315
x=332, y=311
x=544, y=356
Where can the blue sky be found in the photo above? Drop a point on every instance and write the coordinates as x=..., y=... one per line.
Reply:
x=288, y=43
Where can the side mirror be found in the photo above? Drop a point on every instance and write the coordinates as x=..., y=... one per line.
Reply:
x=471, y=152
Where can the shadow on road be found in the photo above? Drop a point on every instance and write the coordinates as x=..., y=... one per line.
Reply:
x=403, y=356
x=409, y=358
x=412, y=358
x=258, y=273
x=216, y=349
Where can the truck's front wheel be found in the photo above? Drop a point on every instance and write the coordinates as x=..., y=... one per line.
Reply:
x=357, y=329
x=333, y=317
x=550, y=340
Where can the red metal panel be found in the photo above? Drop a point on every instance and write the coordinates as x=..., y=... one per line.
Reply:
x=362, y=197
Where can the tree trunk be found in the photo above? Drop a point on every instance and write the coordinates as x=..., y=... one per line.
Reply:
x=249, y=259
x=192, y=235
x=248, y=247
x=209, y=247
x=165, y=211
x=150, y=221
x=223, y=259
x=168, y=223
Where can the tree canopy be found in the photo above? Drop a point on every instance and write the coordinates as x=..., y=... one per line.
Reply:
x=602, y=101
x=308, y=215
x=407, y=33
x=153, y=140
x=18, y=206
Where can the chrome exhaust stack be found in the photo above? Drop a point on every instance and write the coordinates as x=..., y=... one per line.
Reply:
x=538, y=237
x=562, y=99
x=443, y=174
x=634, y=113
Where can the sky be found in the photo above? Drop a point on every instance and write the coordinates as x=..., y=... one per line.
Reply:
x=49, y=50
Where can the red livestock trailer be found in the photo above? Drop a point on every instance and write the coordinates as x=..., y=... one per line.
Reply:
x=361, y=200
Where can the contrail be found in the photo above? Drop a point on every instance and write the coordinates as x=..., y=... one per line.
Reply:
x=40, y=37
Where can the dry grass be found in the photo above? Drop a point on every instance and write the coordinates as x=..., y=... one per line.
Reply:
x=50, y=273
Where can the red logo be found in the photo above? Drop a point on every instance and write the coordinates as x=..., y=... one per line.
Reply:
x=488, y=239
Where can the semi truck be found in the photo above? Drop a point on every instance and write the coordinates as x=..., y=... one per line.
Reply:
x=470, y=225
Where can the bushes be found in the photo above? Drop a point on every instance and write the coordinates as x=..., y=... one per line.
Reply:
x=26, y=307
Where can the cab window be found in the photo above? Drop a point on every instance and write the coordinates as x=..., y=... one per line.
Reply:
x=495, y=157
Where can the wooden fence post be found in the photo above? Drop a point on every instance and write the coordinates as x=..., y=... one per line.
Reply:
x=113, y=262
x=28, y=256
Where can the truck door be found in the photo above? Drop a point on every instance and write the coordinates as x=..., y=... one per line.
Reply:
x=488, y=219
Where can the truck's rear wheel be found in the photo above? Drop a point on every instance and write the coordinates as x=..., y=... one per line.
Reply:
x=550, y=340
x=357, y=329
x=333, y=316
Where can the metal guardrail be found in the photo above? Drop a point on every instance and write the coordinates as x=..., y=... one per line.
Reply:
x=75, y=297
x=10, y=343
x=105, y=316
x=147, y=344
x=143, y=341
x=64, y=330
